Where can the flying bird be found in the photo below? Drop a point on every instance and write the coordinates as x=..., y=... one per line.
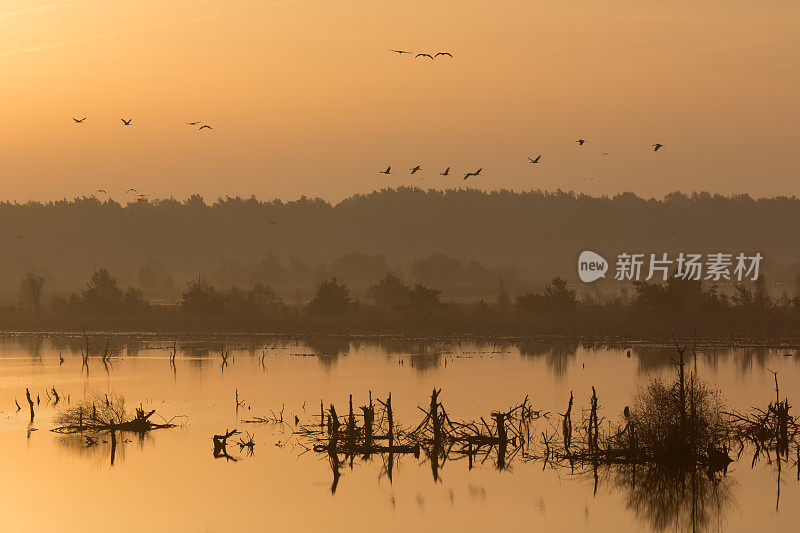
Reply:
x=446, y=172
x=580, y=141
x=102, y=191
x=656, y=146
x=387, y=171
x=126, y=122
x=400, y=52
x=204, y=126
x=476, y=173
x=534, y=161
x=423, y=55
x=415, y=169
x=131, y=190
x=79, y=120
x=193, y=123
x=443, y=54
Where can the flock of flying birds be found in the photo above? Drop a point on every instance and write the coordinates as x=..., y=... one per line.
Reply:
x=200, y=125
x=423, y=54
x=533, y=160
x=127, y=122
x=417, y=168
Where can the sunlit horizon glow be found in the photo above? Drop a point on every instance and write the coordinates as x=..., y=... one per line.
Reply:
x=306, y=99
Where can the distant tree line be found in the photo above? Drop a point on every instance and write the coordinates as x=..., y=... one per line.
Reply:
x=462, y=242
x=391, y=304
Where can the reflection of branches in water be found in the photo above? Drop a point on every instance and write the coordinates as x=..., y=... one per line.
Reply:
x=770, y=432
x=375, y=432
x=556, y=353
x=105, y=416
x=677, y=499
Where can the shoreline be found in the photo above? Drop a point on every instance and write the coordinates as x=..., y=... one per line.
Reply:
x=586, y=341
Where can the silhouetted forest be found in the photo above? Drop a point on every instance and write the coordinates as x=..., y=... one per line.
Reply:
x=392, y=305
x=462, y=243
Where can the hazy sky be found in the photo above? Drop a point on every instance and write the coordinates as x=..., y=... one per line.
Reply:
x=305, y=98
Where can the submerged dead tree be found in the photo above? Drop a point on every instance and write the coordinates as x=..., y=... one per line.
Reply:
x=375, y=431
x=30, y=403
x=107, y=413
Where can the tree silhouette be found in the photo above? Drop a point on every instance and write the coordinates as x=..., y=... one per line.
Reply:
x=31, y=289
x=102, y=294
x=332, y=297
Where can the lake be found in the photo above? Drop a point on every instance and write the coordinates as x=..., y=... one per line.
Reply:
x=170, y=480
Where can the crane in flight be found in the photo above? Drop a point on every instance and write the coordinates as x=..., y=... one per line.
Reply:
x=476, y=173
x=446, y=172
x=79, y=120
x=580, y=141
x=387, y=171
x=657, y=146
x=535, y=161
x=423, y=55
x=416, y=169
x=126, y=122
x=401, y=52
x=443, y=54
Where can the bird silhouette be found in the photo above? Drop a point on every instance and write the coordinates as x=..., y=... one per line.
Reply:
x=656, y=146
x=446, y=172
x=79, y=120
x=443, y=54
x=387, y=171
x=580, y=141
x=476, y=173
x=131, y=190
x=423, y=55
x=535, y=161
x=126, y=122
x=193, y=123
x=205, y=126
x=415, y=169
x=400, y=52
x=102, y=191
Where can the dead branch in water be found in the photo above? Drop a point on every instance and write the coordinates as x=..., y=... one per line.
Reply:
x=221, y=445
x=30, y=403
x=98, y=414
x=770, y=429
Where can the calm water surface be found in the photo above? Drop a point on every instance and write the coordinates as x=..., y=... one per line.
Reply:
x=170, y=481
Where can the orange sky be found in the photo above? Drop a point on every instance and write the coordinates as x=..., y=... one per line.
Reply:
x=306, y=99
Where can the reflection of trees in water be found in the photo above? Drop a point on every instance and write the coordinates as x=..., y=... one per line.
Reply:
x=677, y=499
x=420, y=354
x=556, y=353
x=328, y=349
x=653, y=358
x=31, y=346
